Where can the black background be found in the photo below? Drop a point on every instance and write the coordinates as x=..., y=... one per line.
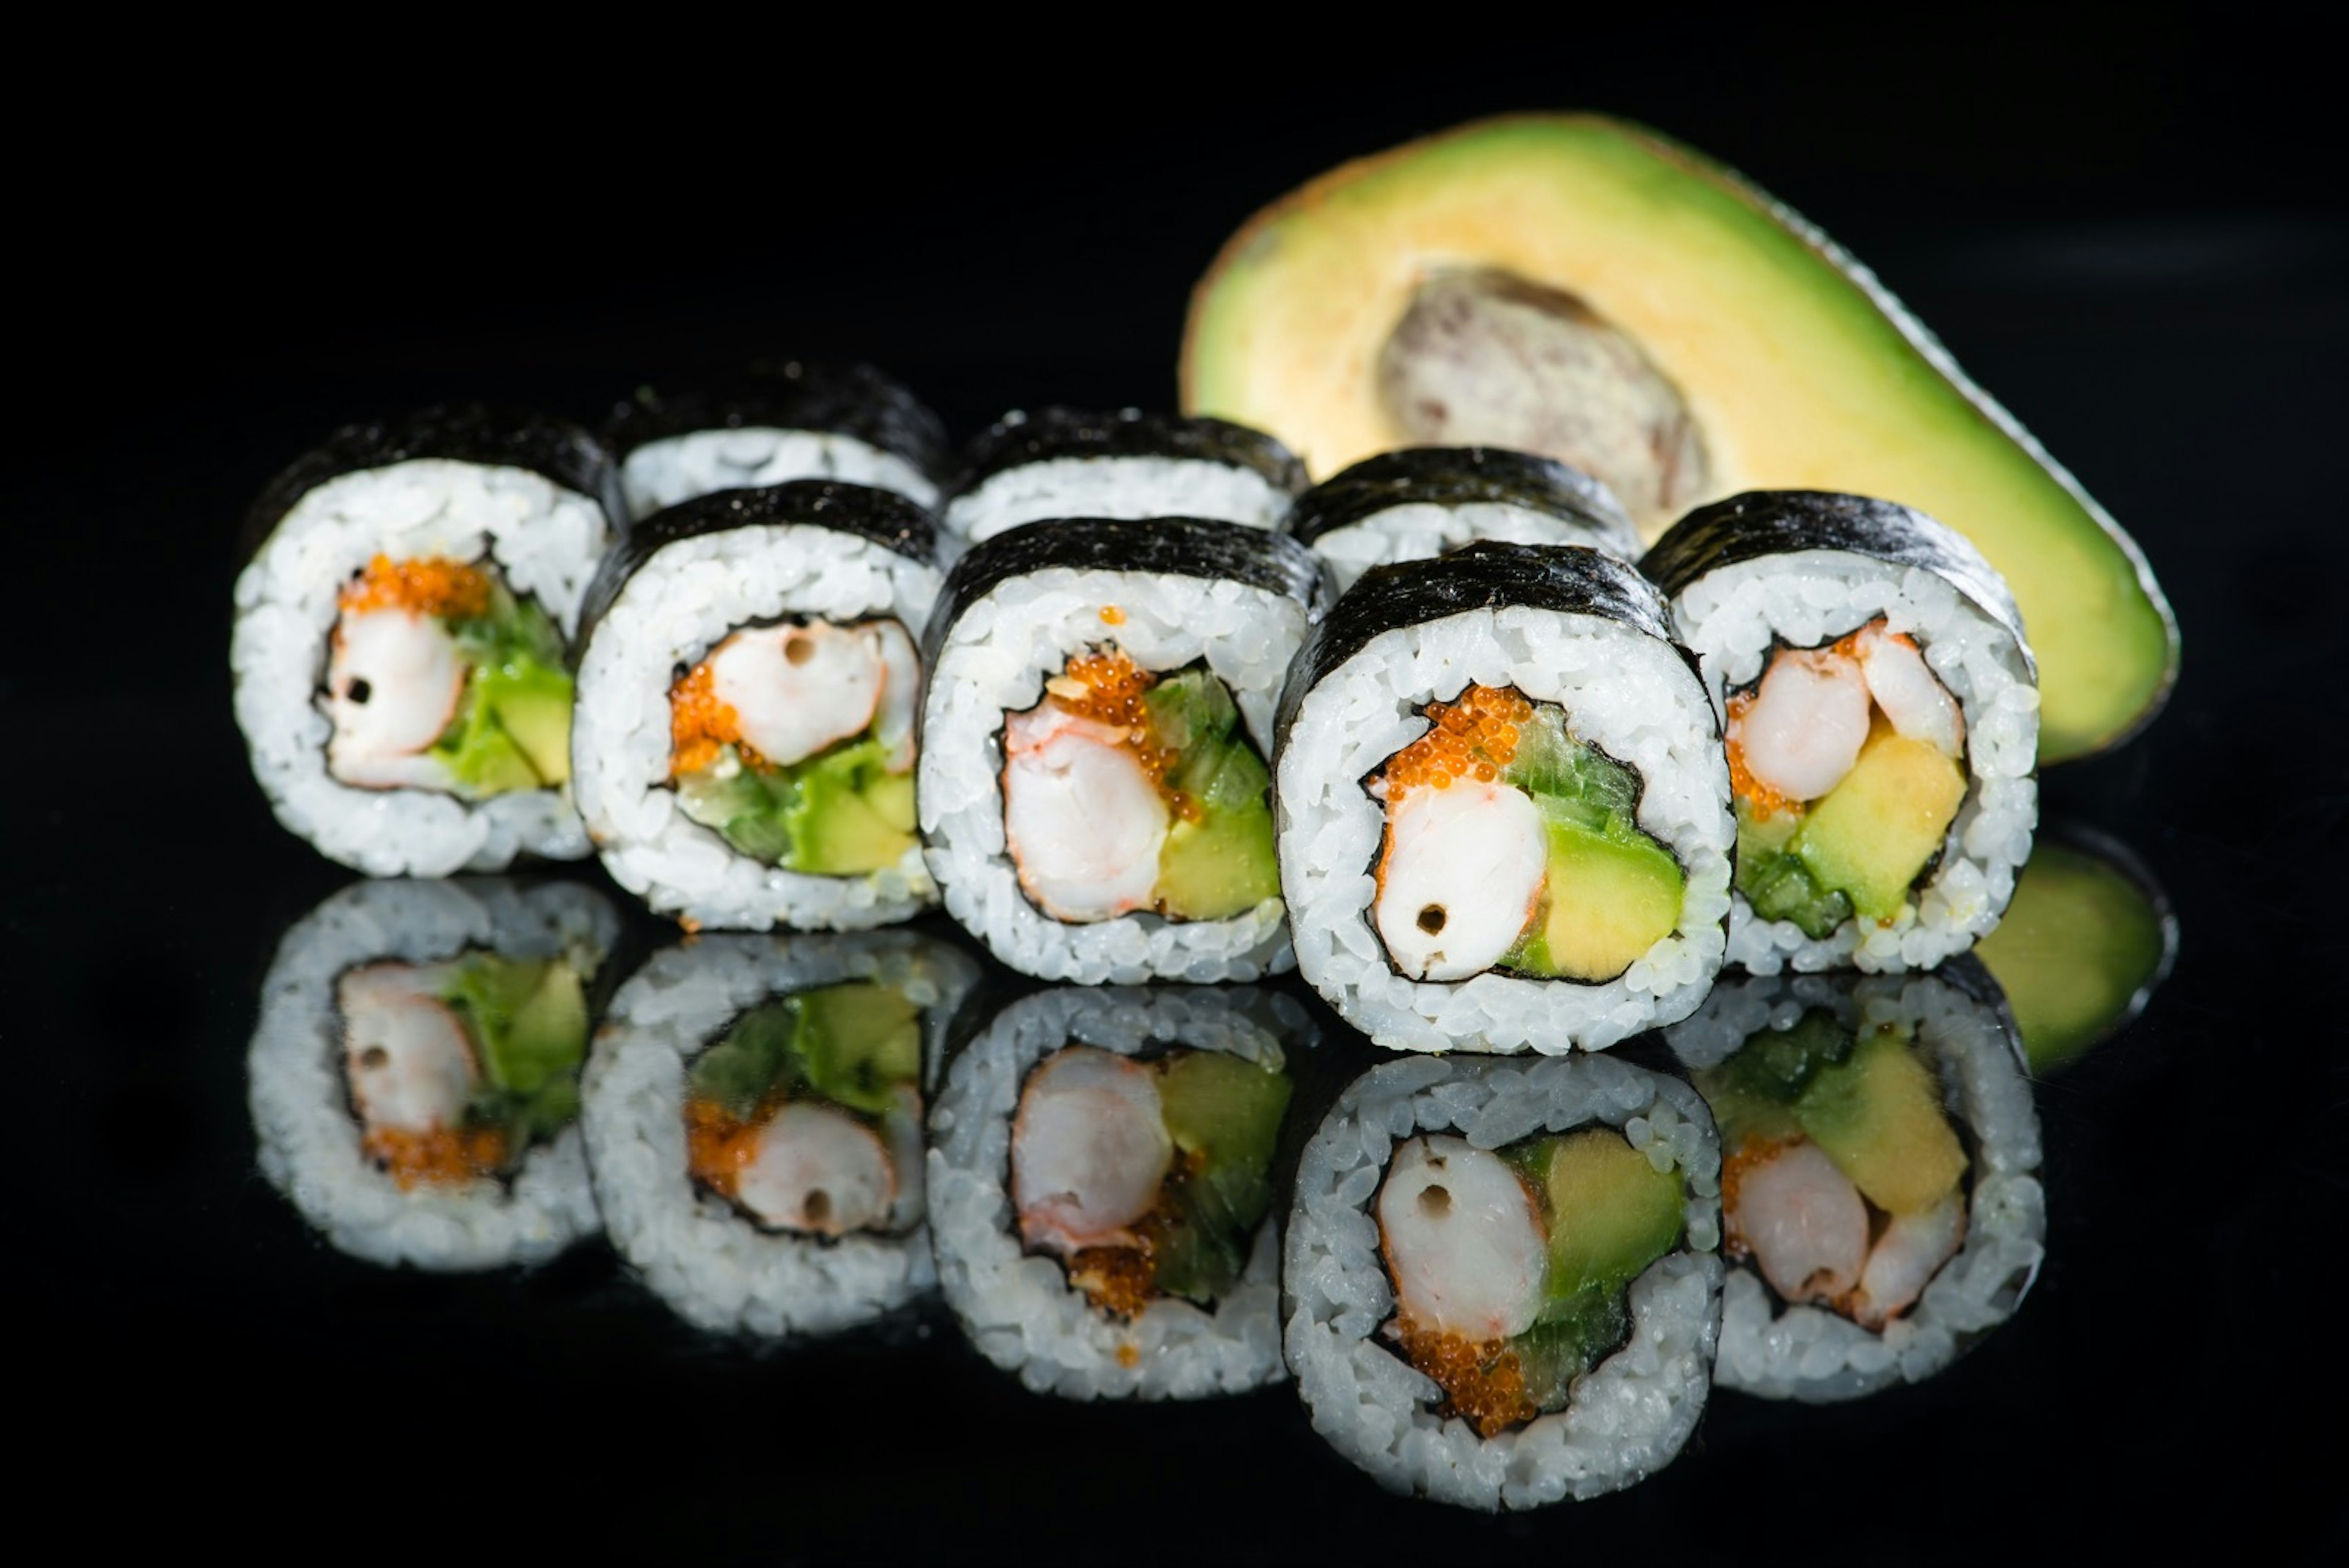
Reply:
x=2135, y=242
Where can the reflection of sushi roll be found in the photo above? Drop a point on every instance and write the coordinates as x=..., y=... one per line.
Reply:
x=746, y=697
x=1093, y=786
x=1416, y=503
x=1063, y=462
x=1882, y=1208
x=402, y=643
x=1883, y=718
x=1100, y=1171
x=787, y=421
x=1501, y=1281
x=1503, y=815
x=754, y=1120
x=414, y=1074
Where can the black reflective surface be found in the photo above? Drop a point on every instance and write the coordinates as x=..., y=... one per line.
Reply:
x=2149, y=271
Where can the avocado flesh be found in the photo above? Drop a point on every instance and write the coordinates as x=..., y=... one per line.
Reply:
x=1872, y=835
x=527, y=1019
x=1610, y=1214
x=1220, y=861
x=855, y=1044
x=1223, y=1113
x=1877, y=1116
x=1795, y=370
x=2075, y=952
x=1752, y=1095
x=839, y=814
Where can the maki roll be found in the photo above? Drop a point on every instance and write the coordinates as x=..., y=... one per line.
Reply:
x=1503, y=811
x=1415, y=504
x=1101, y=1175
x=1881, y=1203
x=754, y=1121
x=402, y=646
x=1882, y=711
x=1066, y=462
x=414, y=1074
x=797, y=419
x=1501, y=1282
x=747, y=696
x=1091, y=783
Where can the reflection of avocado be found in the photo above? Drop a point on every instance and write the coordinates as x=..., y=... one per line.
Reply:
x=1753, y=1094
x=1877, y=829
x=853, y=1043
x=2079, y=951
x=1610, y=1214
x=1878, y=1115
x=1581, y=289
x=1224, y=1113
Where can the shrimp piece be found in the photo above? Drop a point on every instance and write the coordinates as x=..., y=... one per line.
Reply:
x=1801, y=1218
x=1089, y=1150
x=900, y=687
x=1912, y=697
x=411, y=1067
x=796, y=690
x=1463, y=869
x=393, y=681
x=817, y=1170
x=1801, y=730
x=1082, y=818
x=1906, y=1258
x=1463, y=1240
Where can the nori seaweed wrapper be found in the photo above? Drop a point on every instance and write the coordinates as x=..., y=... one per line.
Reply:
x=1167, y=546
x=556, y=450
x=1781, y=522
x=854, y=401
x=1017, y=439
x=1570, y=579
x=883, y=516
x=1453, y=476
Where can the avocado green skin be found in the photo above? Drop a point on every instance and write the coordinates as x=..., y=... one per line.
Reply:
x=2084, y=714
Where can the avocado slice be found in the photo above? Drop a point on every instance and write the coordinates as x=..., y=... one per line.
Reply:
x=851, y=1043
x=1220, y=863
x=1752, y=1095
x=1697, y=340
x=527, y=1019
x=1609, y=899
x=1874, y=834
x=532, y=705
x=1223, y=1112
x=1610, y=1214
x=2079, y=951
x=839, y=814
x=1878, y=1115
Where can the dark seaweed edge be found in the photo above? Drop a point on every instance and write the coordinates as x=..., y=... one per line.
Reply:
x=1763, y=523
x=1461, y=476
x=853, y=399
x=1020, y=437
x=882, y=516
x=564, y=453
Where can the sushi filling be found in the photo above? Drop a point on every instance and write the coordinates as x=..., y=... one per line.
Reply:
x=795, y=742
x=1147, y=1179
x=457, y=1070
x=1512, y=1267
x=440, y=678
x=1848, y=761
x=807, y=1117
x=1843, y=1184
x=1127, y=790
x=1510, y=845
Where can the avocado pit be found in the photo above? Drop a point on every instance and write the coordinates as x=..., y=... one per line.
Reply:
x=1485, y=357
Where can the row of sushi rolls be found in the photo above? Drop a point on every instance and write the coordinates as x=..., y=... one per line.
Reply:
x=1653, y=889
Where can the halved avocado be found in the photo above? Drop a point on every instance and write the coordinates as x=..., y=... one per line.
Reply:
x=1584, y=288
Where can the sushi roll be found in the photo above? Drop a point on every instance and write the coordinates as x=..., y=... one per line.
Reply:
x=754, y=1122
x=1066, y=462
x=1102, y=1169
x=403, y=645
x=1881, y=1202
x=1415, y=504
x=1091, y=783
x=796, y=420
x=1501, y=1281
x=1503, y=811
x=747, y=688
x=414, y=1075
x=1882, y=711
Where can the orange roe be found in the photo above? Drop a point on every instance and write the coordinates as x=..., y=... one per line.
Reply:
x=699, y=724
x=1112, y=616
x=1476, y=736
x=449, y=591
x=719, y=1145
x=439, y=1156
x=1106, y=686
x=1118, y=1279
x=1484, y=1383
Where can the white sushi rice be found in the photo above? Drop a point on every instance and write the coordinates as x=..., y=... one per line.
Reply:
x=995, y=661
x=1628, y=1416
x=1116, y=487
x=310, y=1142
x=1728, y=619
x=682, y=602
x=713, y=1265
x=1020, y=1309
x=1627, y=693
x=1422, y=529
x=1819, y=1356
x=546, y=542
x=664, y=473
